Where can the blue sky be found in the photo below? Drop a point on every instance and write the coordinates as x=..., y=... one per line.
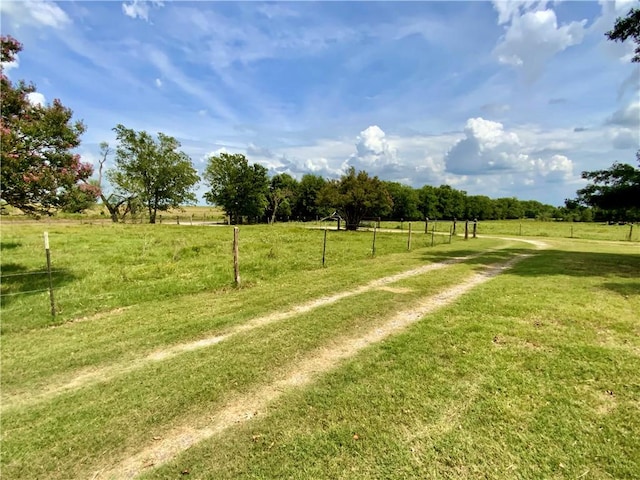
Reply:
x=494, y=98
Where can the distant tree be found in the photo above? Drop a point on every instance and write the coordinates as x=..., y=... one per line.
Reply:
x=306, y=205
x=627, y=27
x=405, y=201
x=38, y=170
x=283, y=189
x=356, y=196
x=154, y=171
x=451, y=202
x=508, y=208
x=615, y=190
x=428, y=201
x=480, y=207
x=239, y=188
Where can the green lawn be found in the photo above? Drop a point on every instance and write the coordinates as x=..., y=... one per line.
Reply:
x=533, y=374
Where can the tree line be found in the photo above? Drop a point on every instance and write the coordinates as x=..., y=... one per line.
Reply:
x=40, y=174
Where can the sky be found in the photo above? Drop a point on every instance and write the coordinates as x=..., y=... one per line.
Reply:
x=509, y=98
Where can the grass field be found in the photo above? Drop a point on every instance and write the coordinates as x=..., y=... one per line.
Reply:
x=489, y=358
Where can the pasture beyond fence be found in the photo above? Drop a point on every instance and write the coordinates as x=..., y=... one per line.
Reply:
x=146, y=261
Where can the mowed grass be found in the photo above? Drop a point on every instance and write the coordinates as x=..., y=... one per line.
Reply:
x=530, y=375
x=98, y=268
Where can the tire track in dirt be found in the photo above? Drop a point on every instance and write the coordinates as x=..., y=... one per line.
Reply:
x=92, y=376
x=317, y=363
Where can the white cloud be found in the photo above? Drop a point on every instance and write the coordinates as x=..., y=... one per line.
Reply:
x=48, y=13
x=486, y=147
x=8, y=66
x=139, y=8
x=533, y=38
x=507, y=9
x=158, y=83
x=36, y=98
x=373, y=149
x=41, y=12
x=558, y=168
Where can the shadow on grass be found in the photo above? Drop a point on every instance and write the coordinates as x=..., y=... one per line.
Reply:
x=559, y=262
x=9, y=245
x=624, y=289
x=18, y=281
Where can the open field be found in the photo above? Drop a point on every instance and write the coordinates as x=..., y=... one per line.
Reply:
x=490, y=358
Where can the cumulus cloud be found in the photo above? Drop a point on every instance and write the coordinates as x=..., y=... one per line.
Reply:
x=139, y=8
x=373, y=148
x=626, y=138
x=533, y=37
x=490, y=150
x=36, y=98
x=486, y=147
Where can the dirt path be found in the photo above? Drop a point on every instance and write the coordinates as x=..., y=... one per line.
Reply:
x=257, y=402
x=92, y=376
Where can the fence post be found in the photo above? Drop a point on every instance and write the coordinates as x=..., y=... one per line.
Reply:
x=191, y=221
x=373, y=247
x=520, y=228
x=455, y=225
x=160, y=219
x=475, y=227
x=426, y=224
x=433, y=233
x=324, y=245
x=466, y=230
x=236, y=262
x=631, y=232
x=48, y=254
x=409, y=239
x=450, y=233
x=177, y=219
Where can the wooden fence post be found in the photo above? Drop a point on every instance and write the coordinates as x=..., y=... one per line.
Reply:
x=433, y=234
x=426, y=224
x=373, y=247
x=48, y=254
x=466, y=230
x=475, y=227
x=450, y=233
x=236, y=261
x=177, y=219
x=324, y=245
x=455, y=225
x=631, y=232
x=409, y=238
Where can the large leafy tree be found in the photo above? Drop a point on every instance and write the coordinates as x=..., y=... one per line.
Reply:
x=239, y=188
x=615, y=190
x=628, y=27
x=356, y=196
x=283, y=189
x=405, y=201
x=38, y=169
x=154, y=171
x=307, y=206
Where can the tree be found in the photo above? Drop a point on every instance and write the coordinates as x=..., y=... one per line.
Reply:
x=154, y=171
x=428, y=201
x=356, y=196
x=81, y=197
x=282, y=192
x=627, y=27
x=451, y=202
x=480, y=207
x=38, y=169
x=615, y=190
x=239, y=188
x=117, y=205
x=307, y=206
x=405, y=201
